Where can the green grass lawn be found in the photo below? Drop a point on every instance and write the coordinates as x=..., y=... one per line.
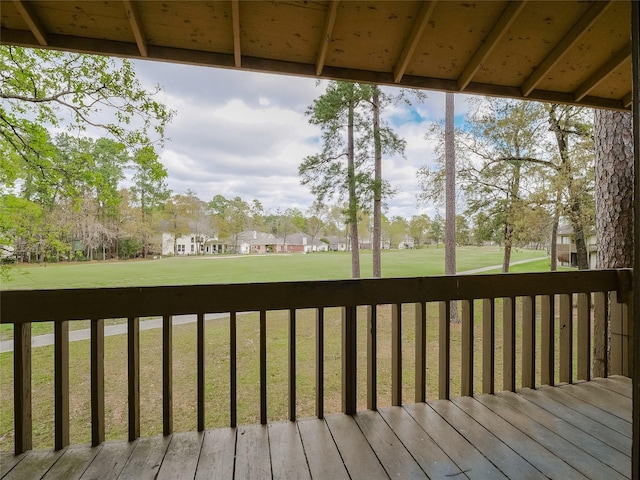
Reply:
x=251, y=268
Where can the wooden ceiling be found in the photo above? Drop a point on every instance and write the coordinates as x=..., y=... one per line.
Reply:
x=562, y=51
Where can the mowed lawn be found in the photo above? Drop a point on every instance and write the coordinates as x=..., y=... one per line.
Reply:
x=254, y=268
x=229, y=269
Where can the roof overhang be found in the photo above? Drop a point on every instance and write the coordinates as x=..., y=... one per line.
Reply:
x=576, y=52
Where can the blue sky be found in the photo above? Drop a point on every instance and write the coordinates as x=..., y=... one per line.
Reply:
x=244, y=134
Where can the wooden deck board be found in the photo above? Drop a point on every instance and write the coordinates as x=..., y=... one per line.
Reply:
x=572, y=431
x=496, y=451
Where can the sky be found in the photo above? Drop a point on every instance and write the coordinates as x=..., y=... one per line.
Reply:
x=245, y=134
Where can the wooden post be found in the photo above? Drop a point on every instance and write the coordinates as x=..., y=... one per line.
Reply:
x=233, y=367
x=584, y=336
x=372, y=357
x=61, y=347
x=201, y=371
x=133, y=341
x=349, y=359
x=421, y=352
x=547, y=339
x=320, y=363
x=600, y=334
x=396, y=354
x=22, y=386
x=263, y=367
x=528, y=342
x=488, y=345
x=509, y=343
x=635, y=294
x=467, y=348
x=566, y=338
x=444, y=347
x=167, y=375
x=97, y=382
x=292, y=365
x=617, y=333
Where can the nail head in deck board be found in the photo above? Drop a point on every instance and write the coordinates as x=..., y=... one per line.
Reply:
x=420, y=445
x=217, y=456
x=595, y=413
x=492, y=447
x=465, y=455
x=522, y=444
x=354, y=449
x=612, y=402
x=576, y=418
x=181, y=459
x=393, y=455
x=35, y=465
x=146, y=458
x=72, y=464
x=593, y=446
x=580, y=460
x=287, y=454
x=322, y=454
x=252, y=452
x=109, y=461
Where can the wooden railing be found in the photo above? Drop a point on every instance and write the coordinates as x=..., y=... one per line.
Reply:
x=595, y=302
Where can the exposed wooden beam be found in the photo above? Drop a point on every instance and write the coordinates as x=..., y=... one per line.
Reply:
x=32, y=21
x=495, y=35
x=326, y=35
x=603, y=72
x=136, y=27
x=627, y=99
x=570, y=39
x=235, y=17
x=426, y=10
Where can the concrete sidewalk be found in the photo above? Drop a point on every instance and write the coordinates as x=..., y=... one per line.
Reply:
x=77, y=335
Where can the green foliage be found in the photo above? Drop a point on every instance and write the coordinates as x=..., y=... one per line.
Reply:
x=129, y=247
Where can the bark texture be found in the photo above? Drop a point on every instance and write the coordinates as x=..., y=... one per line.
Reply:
x=450, y=196
x=614, y=188
x=377, y=192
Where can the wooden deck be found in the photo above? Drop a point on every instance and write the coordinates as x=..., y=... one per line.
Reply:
x=570, y=432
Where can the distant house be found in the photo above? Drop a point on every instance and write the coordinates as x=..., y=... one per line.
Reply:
x=190, y=244
x=301, y=242
x=336, y=244
x=252, y=241
x=566, y=247
x=406, y=243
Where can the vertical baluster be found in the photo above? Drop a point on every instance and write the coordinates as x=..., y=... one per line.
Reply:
x=292, y=365
x=444, y=340
x=528, y=342
x=133, y=341
x=167, y=375
x=547, y=339
x=320, y=363
x=584, y=336
x=617, y=331
x=509, y=343
x=372, y=357
x=600, y=334
x=263, y=367
x=61, y=347
x=488, y=345
x=421, y=351
x=22, y=386
x=396, y=354
x=566, y=338
x=201, y=372
x=233, y=367
x=97, y=382
x=467, y=348
x=349, y=360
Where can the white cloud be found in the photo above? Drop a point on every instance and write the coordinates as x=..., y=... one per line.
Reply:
x=244, y=134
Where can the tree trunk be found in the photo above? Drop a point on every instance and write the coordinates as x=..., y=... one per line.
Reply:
x=614, y=205
x=450, y=196
x=554, y=242
x=614, y=189
x=377, y=186
x=508, y=241
x=353, y=203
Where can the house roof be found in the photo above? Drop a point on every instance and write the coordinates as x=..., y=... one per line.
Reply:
x=562, y=51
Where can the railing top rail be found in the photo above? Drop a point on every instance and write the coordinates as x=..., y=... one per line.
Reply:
x=20, y=306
